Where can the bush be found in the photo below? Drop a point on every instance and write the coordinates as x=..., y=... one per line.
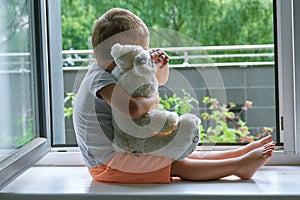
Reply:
x=224, y=126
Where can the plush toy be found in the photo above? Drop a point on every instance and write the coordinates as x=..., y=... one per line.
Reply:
x=161, y=133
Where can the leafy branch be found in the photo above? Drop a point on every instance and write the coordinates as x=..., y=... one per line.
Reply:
x=69, y=104
x=224, y=125
x=177, y=104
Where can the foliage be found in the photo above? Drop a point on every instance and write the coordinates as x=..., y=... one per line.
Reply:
x=69, y=104
x=177, y=104
x=209, y=22
x=224, y=125
x=180, y=105
x=14, y=33
x=28, y=133
x=14, y=26
x=10, y=141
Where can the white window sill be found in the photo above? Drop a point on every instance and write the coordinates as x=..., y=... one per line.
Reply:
x=72, y=156
x=48, y=179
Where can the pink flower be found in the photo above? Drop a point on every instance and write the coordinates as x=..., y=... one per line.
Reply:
x=215, y=103
x=248, y=104
x=224, y=118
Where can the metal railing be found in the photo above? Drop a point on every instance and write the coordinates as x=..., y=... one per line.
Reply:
x=197, y=56
x=14, y=62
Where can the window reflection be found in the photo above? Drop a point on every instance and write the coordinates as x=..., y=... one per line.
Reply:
x=16, y=77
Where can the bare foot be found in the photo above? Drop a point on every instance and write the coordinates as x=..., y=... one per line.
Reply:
x=253, y=160
x=256, y=144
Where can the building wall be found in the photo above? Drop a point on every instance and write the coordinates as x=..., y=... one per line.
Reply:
x=228, y=84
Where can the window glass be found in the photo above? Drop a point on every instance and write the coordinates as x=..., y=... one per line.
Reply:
x=17, y=122
x=222, y=54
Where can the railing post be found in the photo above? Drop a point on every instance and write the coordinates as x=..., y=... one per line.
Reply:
x=185, y=57
x=90, y=56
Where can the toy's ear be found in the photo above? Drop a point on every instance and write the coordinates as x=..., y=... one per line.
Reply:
x=123, y=55
x=142, y=64
x=119, y=50
x=116, y=51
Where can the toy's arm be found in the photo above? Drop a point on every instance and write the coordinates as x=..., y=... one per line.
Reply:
x=161, y=59
x=118, y=99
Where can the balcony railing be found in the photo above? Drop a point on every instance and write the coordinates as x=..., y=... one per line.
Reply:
x=14, y=62
x=198, y=56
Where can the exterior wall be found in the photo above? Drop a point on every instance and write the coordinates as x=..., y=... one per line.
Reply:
x=239, y=84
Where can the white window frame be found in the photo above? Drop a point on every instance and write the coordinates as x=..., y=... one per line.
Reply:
x=28, y=155
x=288, y=28
x=288, y=47
x=288, y=63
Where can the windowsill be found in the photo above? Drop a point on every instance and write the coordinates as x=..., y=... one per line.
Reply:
x=47, y=179
x=71, y=156
x=21, y=159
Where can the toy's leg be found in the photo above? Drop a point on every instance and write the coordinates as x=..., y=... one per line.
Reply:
x=173, y=140
x=158, y=121
x=244, y=166
x=190, y=127
x=181, y=142
x=231, y=153
x=158, y=144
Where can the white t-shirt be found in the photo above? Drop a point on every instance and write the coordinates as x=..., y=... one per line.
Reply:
x=92, y=118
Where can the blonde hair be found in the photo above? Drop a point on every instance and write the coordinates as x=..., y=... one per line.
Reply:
x=117, y=25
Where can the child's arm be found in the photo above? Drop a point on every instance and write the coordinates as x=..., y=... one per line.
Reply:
x=161, y=59
x=118, y=99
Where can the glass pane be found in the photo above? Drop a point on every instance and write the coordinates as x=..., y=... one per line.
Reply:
x=220, y=49
x=16, y=77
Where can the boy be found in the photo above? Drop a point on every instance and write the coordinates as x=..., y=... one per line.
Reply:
x=99, y=93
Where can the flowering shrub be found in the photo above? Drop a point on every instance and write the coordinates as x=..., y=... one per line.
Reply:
x=224, y=126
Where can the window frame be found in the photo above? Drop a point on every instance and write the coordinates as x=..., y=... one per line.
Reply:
x=32, y=152
x=287, y=96
x=288, y=83
x=297, y=72
x=56, y=72
x=288, y=69
x=46, y=23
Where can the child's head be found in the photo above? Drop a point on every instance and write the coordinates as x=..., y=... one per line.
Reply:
x=117, y=26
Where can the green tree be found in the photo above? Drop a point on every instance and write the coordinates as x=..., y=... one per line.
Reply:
x=209, y=22
x=77, y=22
x=14, y=26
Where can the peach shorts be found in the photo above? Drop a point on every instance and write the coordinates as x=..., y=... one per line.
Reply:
x=133, y=168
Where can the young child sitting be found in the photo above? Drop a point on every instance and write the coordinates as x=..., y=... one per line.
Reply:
x=99, y=94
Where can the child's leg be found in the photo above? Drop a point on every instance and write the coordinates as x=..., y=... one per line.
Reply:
x=244, y=166
x=231, y=153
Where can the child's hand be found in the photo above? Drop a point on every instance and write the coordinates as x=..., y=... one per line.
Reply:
x=160, y=58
